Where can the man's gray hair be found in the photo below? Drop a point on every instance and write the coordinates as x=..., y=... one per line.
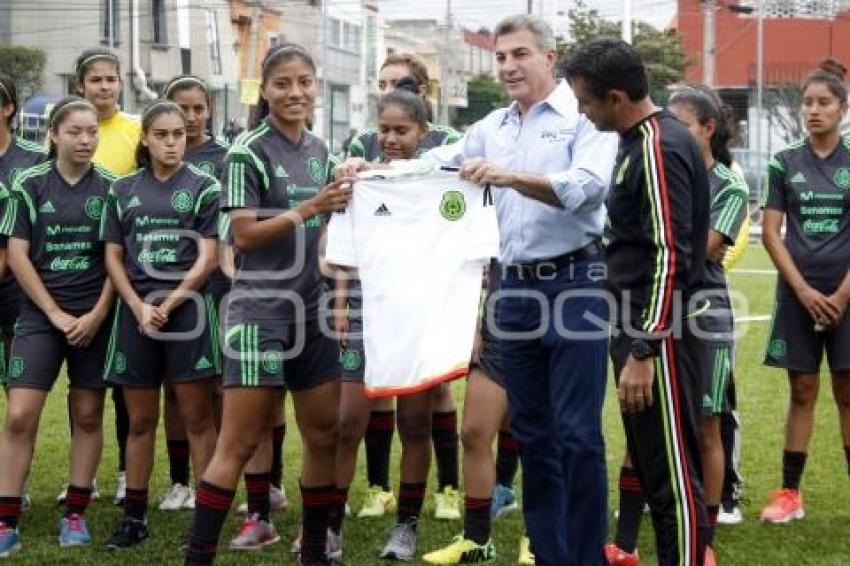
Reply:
x=541, y=30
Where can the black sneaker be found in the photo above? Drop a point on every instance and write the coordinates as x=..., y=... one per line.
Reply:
x=129, y=533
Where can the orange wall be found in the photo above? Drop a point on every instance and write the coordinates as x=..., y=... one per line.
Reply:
x=271, y=24
x=792, y=47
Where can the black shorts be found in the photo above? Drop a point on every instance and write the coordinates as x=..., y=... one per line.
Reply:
x=271, y=353
x=189, y=351
x=489, y=352
x=352, y=358
x=794, y=344
x=11, y=297
x=39, y=349
x=717, y=327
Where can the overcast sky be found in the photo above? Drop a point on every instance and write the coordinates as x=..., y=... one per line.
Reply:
x=477, y=13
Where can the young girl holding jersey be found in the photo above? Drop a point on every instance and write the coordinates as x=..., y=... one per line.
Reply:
x=160, y=229
x=278, y=200
x=57, y=258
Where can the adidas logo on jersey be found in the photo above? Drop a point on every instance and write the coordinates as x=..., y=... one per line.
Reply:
x=47, y=207
x=798, y=178
x=706, y=402
x=134, y=202
x=383, y=211
x=281, y=173
x=203, y=363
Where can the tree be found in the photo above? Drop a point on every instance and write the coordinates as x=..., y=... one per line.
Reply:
x=25, y=65
x=662, y=52
x=483, y=95
x=782, y=104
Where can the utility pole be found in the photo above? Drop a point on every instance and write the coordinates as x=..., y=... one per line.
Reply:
x=626, y=30
x=709, y=39
x=759, y=82
x=529, y=7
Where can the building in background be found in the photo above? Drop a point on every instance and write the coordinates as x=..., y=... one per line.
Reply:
x=154, y=39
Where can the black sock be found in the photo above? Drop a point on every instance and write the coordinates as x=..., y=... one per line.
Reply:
x=10, y=511
x=379, y=442
x=507, y=459
x=631, y=509
x=77, y=500
x=136, y=503
x=316, y=503
x=445, y=439
x=336, y=515
x=257, y=488
x=847, y=456
x=278, y=434
x=793, y=464
x=476, y=520
x=211, y=506
x=178, y=461
x=410, y=496
x=712, y=511
x=122, y=426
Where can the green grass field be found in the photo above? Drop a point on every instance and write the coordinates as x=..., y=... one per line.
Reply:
x=822, y=538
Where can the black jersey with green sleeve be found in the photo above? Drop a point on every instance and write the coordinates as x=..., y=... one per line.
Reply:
x=814, y=194
x=209, y=157
x=365, y=143
x=270, y=174
x=155, y=222
x=61, y=223
x=21, y=154
x=728, y=194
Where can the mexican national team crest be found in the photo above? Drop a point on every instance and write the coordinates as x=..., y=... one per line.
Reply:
x=272, y=361
x=120, y=362
x=181, y=201
x=842, y=178
x=777, y=348
x=207, y=167
x=316, y=170
x=453, y=205
x=16, y=367
x=350, y=359
x=94, y=207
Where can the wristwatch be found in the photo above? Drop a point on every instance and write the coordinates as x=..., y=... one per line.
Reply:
x=642, y=350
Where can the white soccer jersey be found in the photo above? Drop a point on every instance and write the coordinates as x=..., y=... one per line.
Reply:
x=419, y=238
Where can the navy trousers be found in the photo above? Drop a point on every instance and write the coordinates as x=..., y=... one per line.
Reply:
x=554, y=337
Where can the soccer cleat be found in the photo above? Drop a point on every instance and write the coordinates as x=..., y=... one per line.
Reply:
x=785, y=506
x=277, y=501
x=463, y=551
x=402, y=543
x=73, y=531
x=121, y=490
x=176, y=498
x=254, y=534
x=333, y=546
x=129, y=533
x=730, y=514
x=447, y=504
x=526, y=558
x=616, y=556
x=10, y=540
x=377, y=503
x=190, y=501
x=504, y=501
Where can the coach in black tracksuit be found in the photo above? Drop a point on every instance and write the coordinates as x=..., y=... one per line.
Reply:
x=658, y=217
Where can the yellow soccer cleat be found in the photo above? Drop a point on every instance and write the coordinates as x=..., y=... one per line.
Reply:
x=463, y=551
x=377, y=503
x=525, y=555
x=447, y=504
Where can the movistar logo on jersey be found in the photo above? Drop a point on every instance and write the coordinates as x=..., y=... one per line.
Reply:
x=76, y=263
x=94, y=207
x=143, y=221
x=182, y=201
x=47, y=207
x=842, y=177
x=453, y=205
x=798, y=178
x=134, y=202
x=203, y=363
x=383, y=211
x=280, y=172
x=316, y=170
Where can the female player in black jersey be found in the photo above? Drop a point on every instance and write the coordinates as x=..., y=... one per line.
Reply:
x=207, y=154
x=160, y=230
x=57, y=258
x=809, y=188
x=278, y=198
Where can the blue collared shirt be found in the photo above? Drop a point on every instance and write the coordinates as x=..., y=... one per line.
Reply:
x=554, y=140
